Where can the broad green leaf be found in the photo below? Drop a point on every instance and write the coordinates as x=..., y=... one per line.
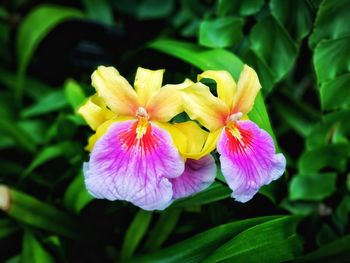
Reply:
x=272, y=43
x=244, y=8
x=294, y=15
x=16, y=133
x=99, y=10
x=76, y=196
x=332, y=59
x=326, y=235
x=215, y=192
x=342, y=212
x=32, y=250
x=312, y=186
x=46, y=154
x=221, y=32
x=52, y=102
x=299, y=208
x=35, y=130
x=135, y=232
x=252, y=245
x=33, y=29
x=337, y=252
x=334, y=128
x=198, y=247
x=331, y=19
x=216, y=59
x=334, y=155
x=335, y=94
x=74, y=94
x=163, y=228
x=33, y=212
x=7, y=227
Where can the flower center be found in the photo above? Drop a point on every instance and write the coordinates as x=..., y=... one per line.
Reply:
x=232, y=127
x=142, y=123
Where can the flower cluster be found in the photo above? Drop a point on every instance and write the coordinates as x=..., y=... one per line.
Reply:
x=140, y=155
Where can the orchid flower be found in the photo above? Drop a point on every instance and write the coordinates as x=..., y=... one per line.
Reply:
x=247, y=153
x=136, y=155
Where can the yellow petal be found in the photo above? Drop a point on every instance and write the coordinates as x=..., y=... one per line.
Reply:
x=247, y=88
x=210, y=143
x=94, y=112
x=167, y=103
x=225, y=84
x=100, y=131
x=147, y=83
x=203, y=106
x=115, y=90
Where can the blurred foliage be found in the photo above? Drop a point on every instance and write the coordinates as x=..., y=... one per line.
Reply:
x=300, y=50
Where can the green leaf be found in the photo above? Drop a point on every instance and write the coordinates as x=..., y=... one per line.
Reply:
x=198, y=247
x=99, y=10
x=76, y=196
x=312, y=186
x=163, y=228
x=331, y=20
x=335, y=252
x=32, y=251
x=221, y=32
x=52, y=102
x=342, y=212
x=335, y=94
x=334, y=155
x=252, y=245
x=215, y=59
x=326, y=235
x=273, y=45
x=33, y=212
x=33, y=29
x=15, y=132
x=327, y=62
x=244, y=8
x=46, y=154
x=135, y=232
x=294, y=15
x=334, y=128
x=7, y=227
x=215, y=192
x=74, y=94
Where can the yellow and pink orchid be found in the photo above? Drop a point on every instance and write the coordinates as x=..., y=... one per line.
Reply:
x=136, y=155
x=247, y=153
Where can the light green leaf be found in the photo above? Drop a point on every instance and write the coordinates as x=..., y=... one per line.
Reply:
x=33, y=29
x=163, y=229
x=335, y=94
x=327, y=62
x=76, y=196
x=74, y=94
x=52, y=102
x=135, y=232
x=312, y=186
x=221, y=32
x=99, y=10
x=331, y=18
x=32, y=250
x=252, y=245
x=198, y=247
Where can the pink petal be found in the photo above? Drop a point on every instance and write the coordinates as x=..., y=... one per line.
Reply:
x=250, y=162
x=122, y=167
x=198, y=175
